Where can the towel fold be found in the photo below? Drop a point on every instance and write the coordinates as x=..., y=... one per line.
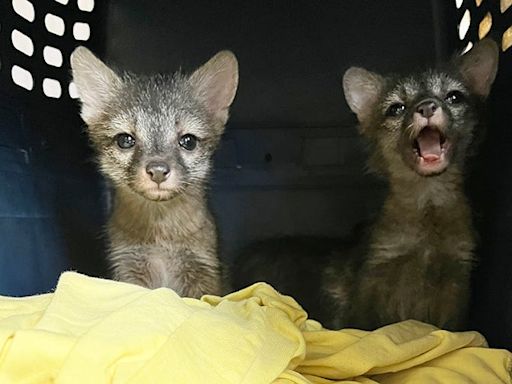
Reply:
x=99, y=331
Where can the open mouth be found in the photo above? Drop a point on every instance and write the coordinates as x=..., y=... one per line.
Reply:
x=431, y=148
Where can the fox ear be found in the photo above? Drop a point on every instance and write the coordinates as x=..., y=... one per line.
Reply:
x=362, y=89
x=478, y=67
x=215, y=84
x=96, y=83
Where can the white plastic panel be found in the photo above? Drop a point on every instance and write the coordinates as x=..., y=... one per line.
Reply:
x=81, y=31
x=52, y=56
x=22, y=42
x=22, y=77
x=54, y=24
x=52, y=88
x=25, y=9
x=86, y=5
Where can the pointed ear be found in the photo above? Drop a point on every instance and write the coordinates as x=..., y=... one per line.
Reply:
x=95, y=82
x=478, y=67
x=215, y=84
x=362, y=89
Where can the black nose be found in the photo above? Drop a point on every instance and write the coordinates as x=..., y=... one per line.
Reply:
x=158, y=170
x=426, y=108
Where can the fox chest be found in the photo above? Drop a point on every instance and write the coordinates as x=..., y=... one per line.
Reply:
x=427, y=282
x=423, y=242
x=154, y=266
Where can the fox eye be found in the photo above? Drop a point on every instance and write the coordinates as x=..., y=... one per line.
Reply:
x=454, y=97
x=188, y=142
x=125, y=140
x=395, y=110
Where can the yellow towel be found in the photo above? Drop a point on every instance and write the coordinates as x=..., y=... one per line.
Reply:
x=98, y=331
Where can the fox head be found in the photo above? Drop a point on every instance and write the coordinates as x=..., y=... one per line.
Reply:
x=155, y=135
x=422, y=123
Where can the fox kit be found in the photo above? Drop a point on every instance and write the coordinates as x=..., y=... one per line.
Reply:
x=415, y=262
x=420, y=129
x=154, y=137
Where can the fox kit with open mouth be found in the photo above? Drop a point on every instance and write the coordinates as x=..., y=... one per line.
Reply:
x=421, y=129
x=155, y=137
x=415, y=261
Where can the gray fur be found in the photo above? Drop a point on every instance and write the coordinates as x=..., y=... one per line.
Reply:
x=161, y=234
x=421, y=249
x=415, y=261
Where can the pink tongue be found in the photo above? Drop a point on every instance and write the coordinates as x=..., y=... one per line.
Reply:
x=429, y=142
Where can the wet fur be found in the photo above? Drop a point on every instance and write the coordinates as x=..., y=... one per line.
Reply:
x=161, y=235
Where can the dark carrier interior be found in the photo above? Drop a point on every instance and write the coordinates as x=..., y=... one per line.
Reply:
x=291, y=161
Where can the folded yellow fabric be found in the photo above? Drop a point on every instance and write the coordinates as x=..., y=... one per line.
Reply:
x=98, y=331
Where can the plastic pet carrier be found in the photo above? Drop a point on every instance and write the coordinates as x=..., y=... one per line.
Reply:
x=291, y=160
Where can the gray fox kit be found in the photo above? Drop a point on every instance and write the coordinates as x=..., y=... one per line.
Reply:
x=154, y=137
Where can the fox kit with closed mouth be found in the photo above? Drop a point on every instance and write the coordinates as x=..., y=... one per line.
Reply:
x=421, y=129
x=154, y=137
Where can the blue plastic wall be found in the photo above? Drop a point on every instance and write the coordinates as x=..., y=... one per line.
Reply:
x=51, y=211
